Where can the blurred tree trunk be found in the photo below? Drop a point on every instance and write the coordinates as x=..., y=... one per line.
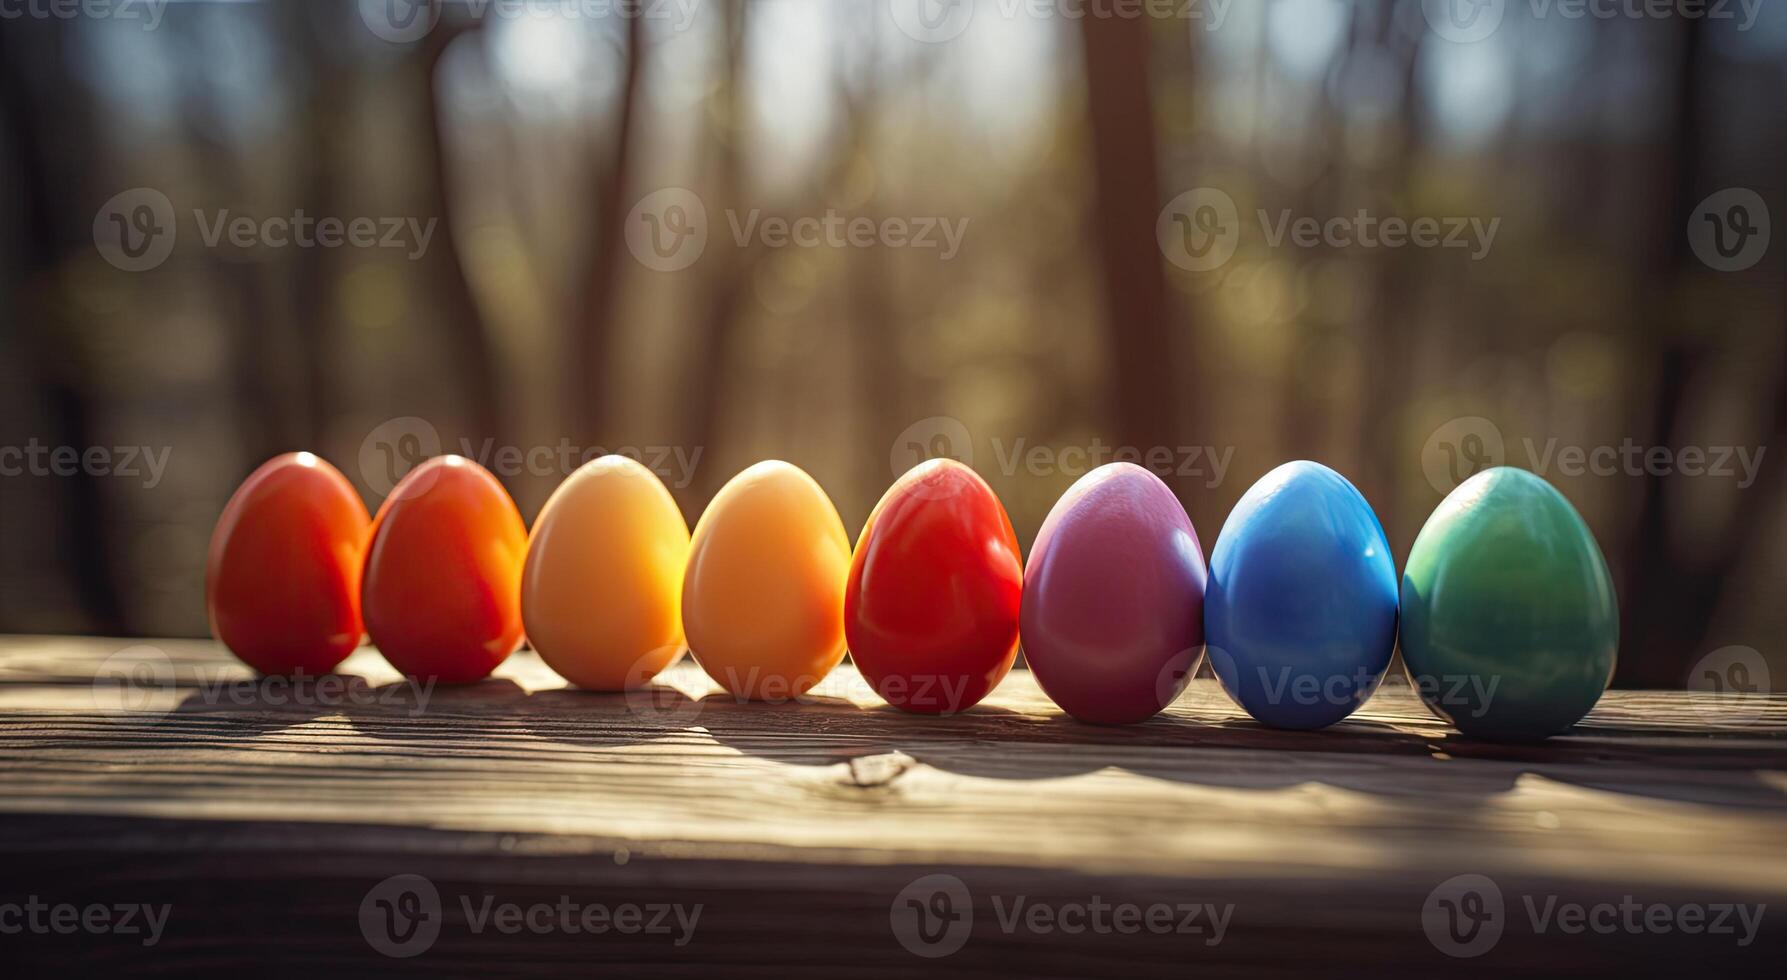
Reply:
x=253, y=319
x=33, y=118
x=1302, y=425
x=1660, y=596
x=876, y=322
x=451, y=292
x=1389, y=342
x=711, y=349
x=1671, y=594
x=327, y=81
x=1126, y=204
x=592, y=344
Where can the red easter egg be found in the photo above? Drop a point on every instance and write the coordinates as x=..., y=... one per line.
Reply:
x=931, y=606
x=282, y=580
x=443, y=575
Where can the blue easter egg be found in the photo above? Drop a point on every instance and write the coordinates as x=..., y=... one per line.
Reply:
x=1300, y=612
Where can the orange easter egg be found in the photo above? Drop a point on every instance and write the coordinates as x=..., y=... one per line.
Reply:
x=601, y=592
x=282, y=581
x=442, y=595
x=763, y=597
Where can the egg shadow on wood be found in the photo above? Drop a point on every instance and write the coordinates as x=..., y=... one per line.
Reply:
x=578, y=716
x=458, y=718
x=824, y=731
x=265, y=705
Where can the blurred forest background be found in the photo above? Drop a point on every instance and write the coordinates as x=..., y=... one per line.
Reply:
x=1591, y=321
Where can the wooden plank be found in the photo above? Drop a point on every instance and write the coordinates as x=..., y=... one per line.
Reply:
x=799, y=825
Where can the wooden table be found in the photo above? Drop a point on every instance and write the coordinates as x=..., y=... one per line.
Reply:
x=267, y=823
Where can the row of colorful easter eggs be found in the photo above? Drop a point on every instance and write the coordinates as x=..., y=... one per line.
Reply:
x=1506, y=610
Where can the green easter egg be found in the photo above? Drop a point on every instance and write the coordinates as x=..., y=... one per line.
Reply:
x=1510, y=626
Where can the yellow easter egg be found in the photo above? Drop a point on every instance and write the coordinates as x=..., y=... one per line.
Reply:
x=763, y=598
x=601, y=590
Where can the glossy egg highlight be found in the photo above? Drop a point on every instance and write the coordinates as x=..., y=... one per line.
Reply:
x=1300, y=616
x=931, y=608
x=763, y=597
x=1510, y=625
x=282, y=579
x=1113, y=607
x=601, y=591
x=442, y=594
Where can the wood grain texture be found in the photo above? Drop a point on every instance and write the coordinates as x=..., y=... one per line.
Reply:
x=264, y=817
